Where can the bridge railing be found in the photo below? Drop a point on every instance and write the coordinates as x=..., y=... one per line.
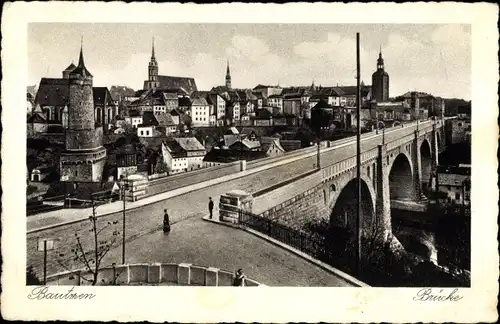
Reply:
x=308, y=244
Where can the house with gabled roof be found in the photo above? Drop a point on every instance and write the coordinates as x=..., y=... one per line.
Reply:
x=271, y=146
x=183, y=154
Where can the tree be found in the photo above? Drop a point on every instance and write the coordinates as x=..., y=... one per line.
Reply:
x=90, y=257
x=162, y=167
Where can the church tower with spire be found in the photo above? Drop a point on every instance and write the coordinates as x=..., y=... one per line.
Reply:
x=228, y=77
x=380, y=81
x=153, y=82
x=84, y=156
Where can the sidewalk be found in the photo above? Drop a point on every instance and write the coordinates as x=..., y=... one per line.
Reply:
x=342, y=275
x=61, y=217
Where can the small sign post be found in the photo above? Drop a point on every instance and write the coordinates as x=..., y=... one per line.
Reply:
x=45, y=245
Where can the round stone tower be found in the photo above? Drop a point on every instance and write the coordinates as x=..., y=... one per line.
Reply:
x=84, y=156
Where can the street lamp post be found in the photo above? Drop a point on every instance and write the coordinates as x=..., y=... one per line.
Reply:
x=45, y=245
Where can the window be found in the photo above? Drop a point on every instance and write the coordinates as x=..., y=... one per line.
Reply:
x=459, y=124
x=457, y=195
x=142, y=133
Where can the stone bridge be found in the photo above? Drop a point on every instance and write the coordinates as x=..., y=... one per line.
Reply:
x=396, y=167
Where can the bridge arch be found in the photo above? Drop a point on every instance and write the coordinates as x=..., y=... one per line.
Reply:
x=343, y=205
x=396, y=123
x=425, y=164
x=401, y=178
x=380, y=124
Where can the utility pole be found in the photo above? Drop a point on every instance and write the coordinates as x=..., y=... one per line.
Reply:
x=123, y=221
x=358, y=160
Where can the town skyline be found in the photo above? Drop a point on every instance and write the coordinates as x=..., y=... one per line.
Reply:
x=427, y=58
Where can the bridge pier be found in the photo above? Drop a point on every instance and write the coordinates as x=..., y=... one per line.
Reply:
x=383, y=198
x=417, y=163
x=435, y=147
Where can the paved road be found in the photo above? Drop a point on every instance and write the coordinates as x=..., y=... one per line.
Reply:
x=202, y=243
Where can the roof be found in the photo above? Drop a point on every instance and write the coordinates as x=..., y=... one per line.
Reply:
x=149, y=119
x=199, y=102
x=263, y=113
x=71, y=67
x=169, y=96
x=165, y=120
x=189, y=143
x=351, y=90
x=246, y=142
x=81, y=69
x=233, y=130
x=227, y=156
x=322, y=105
x=266, y=142
x=53, y=92
x=275, y=96
x=230, y=139
x=200, y=94
x=102, y=96
x=290, y=145
x=36, y=118
x=134, y=113
x=184, y=101
x=186, y=83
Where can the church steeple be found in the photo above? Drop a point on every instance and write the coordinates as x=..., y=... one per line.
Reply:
x=228, y=76
x=152, y=69
x=153, y=58
x=380, y=60
x=81, y=69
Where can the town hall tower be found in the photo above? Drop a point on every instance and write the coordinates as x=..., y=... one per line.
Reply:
x=380, y=81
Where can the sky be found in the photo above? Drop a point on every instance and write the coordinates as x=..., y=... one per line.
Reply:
x=430, y=58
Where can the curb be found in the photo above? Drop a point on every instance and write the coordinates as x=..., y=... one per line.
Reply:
x=203, y=185
x=344, y=276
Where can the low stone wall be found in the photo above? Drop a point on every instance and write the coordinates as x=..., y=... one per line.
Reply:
x=183, y=274
x=271, y=198
x=297, y=212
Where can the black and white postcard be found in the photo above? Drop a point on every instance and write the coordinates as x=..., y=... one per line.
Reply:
x=251, y=163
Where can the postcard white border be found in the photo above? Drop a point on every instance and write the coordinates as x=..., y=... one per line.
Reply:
x=184, y=304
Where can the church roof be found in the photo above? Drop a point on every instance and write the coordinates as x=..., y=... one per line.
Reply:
x=102, y=96
x=81, y=69
x=53, y=92
x=188, y=84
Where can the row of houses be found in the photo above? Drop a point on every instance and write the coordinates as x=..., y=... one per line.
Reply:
x=184, y=154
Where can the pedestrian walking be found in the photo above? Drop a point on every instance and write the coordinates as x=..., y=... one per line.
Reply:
x=166, y=222
x=239, y=277
x=210, y=206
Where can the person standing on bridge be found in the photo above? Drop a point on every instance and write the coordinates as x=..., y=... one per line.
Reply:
x=166, y=222
x=210, y=206
x=239, y=277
